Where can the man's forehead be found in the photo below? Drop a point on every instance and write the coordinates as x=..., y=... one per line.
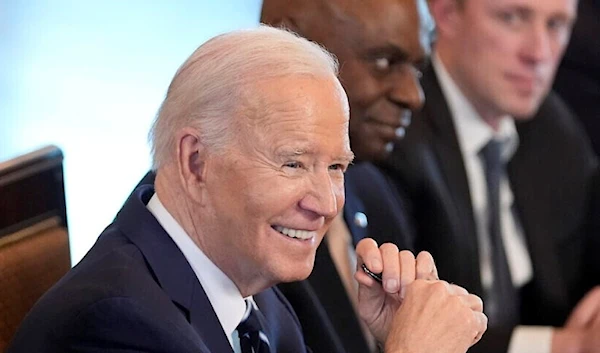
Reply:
x=267, y=101
x=364, y=13
x=405, y=25
x=546, y=7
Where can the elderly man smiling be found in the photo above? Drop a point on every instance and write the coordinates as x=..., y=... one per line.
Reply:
x=250, y=147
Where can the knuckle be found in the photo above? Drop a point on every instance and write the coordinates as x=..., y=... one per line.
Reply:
x=478, y=301
x=458, y=290
x=389, y=247
x=406, y=254
x=457, y=302
x=417, y=285
x=440, y=287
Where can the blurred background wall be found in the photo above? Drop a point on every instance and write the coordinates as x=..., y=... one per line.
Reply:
x=89, y=77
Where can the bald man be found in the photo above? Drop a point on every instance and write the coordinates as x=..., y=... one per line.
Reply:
x=381, y=46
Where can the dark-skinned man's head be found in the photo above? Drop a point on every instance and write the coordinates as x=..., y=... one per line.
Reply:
x=381, y=46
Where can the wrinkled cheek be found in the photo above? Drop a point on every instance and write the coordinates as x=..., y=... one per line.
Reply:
x=340, y=195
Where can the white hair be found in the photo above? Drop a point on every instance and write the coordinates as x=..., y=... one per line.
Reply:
x=207, y=90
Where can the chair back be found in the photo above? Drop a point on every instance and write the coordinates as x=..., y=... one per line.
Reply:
x=34, y=243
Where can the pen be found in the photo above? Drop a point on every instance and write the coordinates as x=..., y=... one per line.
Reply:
x=375, y=276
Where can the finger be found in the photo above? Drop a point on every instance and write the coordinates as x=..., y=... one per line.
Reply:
x=407, y=270
x=365, y=280
x=367, y=252
x=473, y=302
x=586, y=310
x=481, y=322
x=391, y=267
x=457, y=290
x=426, y=266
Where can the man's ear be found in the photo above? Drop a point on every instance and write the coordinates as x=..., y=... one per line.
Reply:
x=446, y=14
x=192, y=163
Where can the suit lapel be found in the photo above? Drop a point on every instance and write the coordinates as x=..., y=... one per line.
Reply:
x=279, y=322
x=455, y=192
x=354, y=217
x=171, y=269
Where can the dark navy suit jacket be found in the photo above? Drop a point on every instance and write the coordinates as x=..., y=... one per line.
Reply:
x=135, y=292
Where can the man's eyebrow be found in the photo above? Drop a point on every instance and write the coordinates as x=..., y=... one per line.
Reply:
x=386, y=49
x=293, y=151
x=347, y=157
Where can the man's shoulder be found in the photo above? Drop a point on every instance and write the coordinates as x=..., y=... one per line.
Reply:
x=112, y=285
x=108, y=322
x=555, y=126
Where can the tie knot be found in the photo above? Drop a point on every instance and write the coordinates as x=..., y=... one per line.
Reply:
x=492, y=150
x=250, y=331
x=250, y=322
x=492, y=155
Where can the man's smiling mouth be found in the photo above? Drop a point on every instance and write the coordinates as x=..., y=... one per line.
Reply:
x=295, y=233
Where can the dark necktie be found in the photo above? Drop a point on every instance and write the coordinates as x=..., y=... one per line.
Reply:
x=501, y=300
x=250, y=332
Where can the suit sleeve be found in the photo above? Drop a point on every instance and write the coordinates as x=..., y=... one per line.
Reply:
x=592, y=248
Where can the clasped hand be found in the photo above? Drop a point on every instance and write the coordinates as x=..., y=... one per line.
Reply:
x=412, y=310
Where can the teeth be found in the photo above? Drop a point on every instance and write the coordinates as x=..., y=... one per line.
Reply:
x=295, y=233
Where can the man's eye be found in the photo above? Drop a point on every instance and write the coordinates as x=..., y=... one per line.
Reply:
x=556, y=25
x=511, y=18
x=338, y=166
x=382, y=64
x=294, y=165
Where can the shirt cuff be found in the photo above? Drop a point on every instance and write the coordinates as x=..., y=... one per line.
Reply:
x=531, y=339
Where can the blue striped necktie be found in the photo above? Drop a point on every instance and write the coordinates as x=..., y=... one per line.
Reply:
x=501, y=300
x=252, y=337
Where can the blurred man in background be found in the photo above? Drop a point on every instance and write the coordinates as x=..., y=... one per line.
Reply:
x=501, y=178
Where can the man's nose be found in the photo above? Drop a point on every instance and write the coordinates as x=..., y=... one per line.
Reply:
x=538, y=46
x=406, y=89
x=323, y=196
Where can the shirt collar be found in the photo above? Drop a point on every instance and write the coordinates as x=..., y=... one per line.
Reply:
x=224, y=296
x=472, y=131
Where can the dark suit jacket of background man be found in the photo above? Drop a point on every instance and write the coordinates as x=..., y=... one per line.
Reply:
x=554, y=177
x=135, y=291
x=578, y=77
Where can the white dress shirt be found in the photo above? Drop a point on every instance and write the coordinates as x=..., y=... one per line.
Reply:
x=473, y=133
x=224, y=296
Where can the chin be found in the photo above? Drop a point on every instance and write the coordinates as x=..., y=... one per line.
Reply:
x=298, y=273
x=525, y=113
x=523, y=109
